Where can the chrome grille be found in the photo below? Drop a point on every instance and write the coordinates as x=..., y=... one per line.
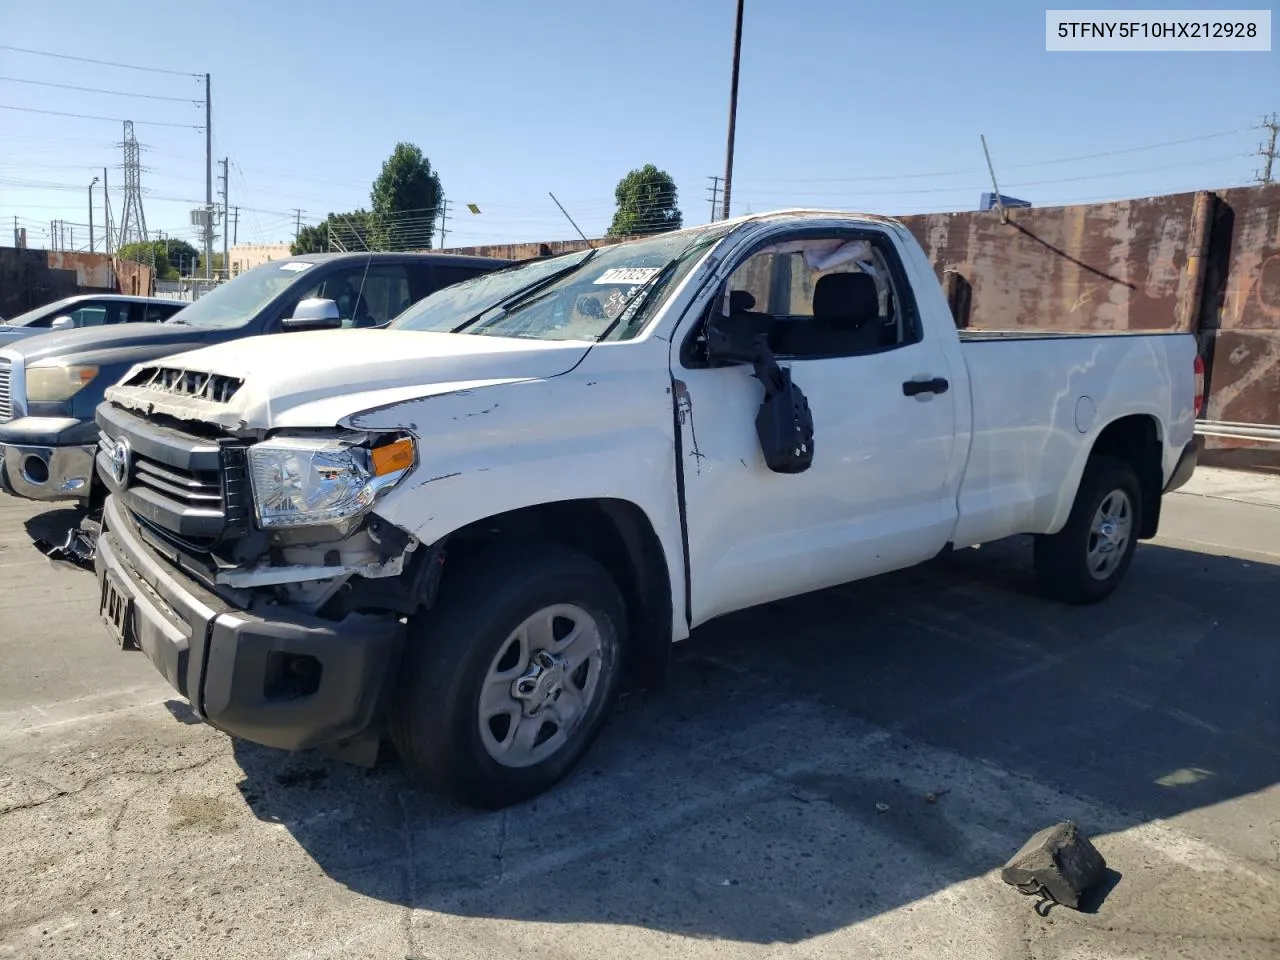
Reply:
x=189, y=489
x=6, y=400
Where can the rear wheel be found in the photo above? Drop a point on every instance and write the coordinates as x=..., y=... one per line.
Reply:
x=1086, y=560
x=509, y=679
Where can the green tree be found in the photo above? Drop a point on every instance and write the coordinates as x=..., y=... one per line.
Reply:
x=170, y=258
x=646, y=203
x=405, y=199
x=182, y=255
x=336, y=232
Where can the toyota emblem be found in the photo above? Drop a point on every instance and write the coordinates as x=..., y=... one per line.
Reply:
x=120, y=457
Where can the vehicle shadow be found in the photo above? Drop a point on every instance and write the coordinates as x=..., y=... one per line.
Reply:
x=828, y=758
x=52, y=526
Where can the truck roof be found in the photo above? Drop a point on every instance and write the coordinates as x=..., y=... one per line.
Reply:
x=814, y=213
x=110, y=297
x=377, y=256
x=774, y=216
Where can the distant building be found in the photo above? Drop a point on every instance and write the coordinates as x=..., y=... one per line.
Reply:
x=988, y=202
x=246, y=256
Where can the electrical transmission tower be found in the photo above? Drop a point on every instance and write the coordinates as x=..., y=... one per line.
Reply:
x=133, y=222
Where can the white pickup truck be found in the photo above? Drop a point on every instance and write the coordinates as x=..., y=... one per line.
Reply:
x=465, y=530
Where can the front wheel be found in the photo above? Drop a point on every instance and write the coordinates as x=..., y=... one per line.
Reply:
x=1088, y=557
x=509, y=679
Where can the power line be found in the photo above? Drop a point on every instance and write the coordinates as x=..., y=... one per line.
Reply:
x=1125, y=173
x=1149, y=146
x=85, y=116
x=1012, y=166
x=101, y=63
x=114, y=93
x=758, y=195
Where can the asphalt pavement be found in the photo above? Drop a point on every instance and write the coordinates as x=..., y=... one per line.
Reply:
x=837, y=775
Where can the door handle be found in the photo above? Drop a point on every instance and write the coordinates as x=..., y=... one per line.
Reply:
x=914, y=388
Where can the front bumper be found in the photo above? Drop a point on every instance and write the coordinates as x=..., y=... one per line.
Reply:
x=291, y=681
x=47, y=458
x=47, y=473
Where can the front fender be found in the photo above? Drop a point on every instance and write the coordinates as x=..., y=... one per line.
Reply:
x=489, y=451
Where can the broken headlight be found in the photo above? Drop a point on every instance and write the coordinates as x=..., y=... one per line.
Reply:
x=299, y=481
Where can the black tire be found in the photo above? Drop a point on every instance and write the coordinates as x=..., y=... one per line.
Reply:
x=1062, y=559
x=484, y=598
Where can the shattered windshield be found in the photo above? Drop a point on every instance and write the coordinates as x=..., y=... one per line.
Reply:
x=591, y=295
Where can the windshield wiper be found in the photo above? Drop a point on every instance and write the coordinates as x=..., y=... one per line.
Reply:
x=514, y=299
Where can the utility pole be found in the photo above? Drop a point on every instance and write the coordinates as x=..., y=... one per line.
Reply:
x=225, y=255
x=106, y=211
x=235, y=220
x=91, y=183
x=733, y=112
x=1268, y=150
x=715, y=196
x=208, y=179
x=297, y=225
x=444, y=216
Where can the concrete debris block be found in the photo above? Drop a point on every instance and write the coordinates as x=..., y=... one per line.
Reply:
x=1058, y=863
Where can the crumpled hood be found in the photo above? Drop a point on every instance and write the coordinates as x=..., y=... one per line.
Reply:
x=338, y=373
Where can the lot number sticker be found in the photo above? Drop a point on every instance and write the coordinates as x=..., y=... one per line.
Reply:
x=627, y=276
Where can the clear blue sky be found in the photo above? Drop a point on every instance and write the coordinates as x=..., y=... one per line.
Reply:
x=512, y=99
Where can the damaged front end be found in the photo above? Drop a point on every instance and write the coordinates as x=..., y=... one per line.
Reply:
x=262, y=519
x=376, y=566
x=255, y=574
x=317, y=544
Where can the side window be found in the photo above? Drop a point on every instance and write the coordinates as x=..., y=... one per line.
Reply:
x=365, y=298
x=150, y=312
x=822, y=297
x=91, y=315
x=385, y=295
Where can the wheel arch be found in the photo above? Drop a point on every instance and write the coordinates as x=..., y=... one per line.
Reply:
x=618, y=535
x=1137, y=439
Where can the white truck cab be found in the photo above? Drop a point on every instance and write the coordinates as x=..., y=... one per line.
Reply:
x=465, y=529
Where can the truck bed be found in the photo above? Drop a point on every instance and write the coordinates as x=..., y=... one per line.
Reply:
x=1037, y=397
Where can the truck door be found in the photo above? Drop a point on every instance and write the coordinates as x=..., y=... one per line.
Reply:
x=841, y=316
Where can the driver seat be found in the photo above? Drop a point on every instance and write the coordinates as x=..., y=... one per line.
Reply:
x=846, y=315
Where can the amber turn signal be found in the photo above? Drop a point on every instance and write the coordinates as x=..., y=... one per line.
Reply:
x=392, y=457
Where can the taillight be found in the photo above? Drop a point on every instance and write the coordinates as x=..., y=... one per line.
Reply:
x=1199, y=372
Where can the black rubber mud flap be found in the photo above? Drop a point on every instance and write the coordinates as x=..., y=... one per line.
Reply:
x=784, y=423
